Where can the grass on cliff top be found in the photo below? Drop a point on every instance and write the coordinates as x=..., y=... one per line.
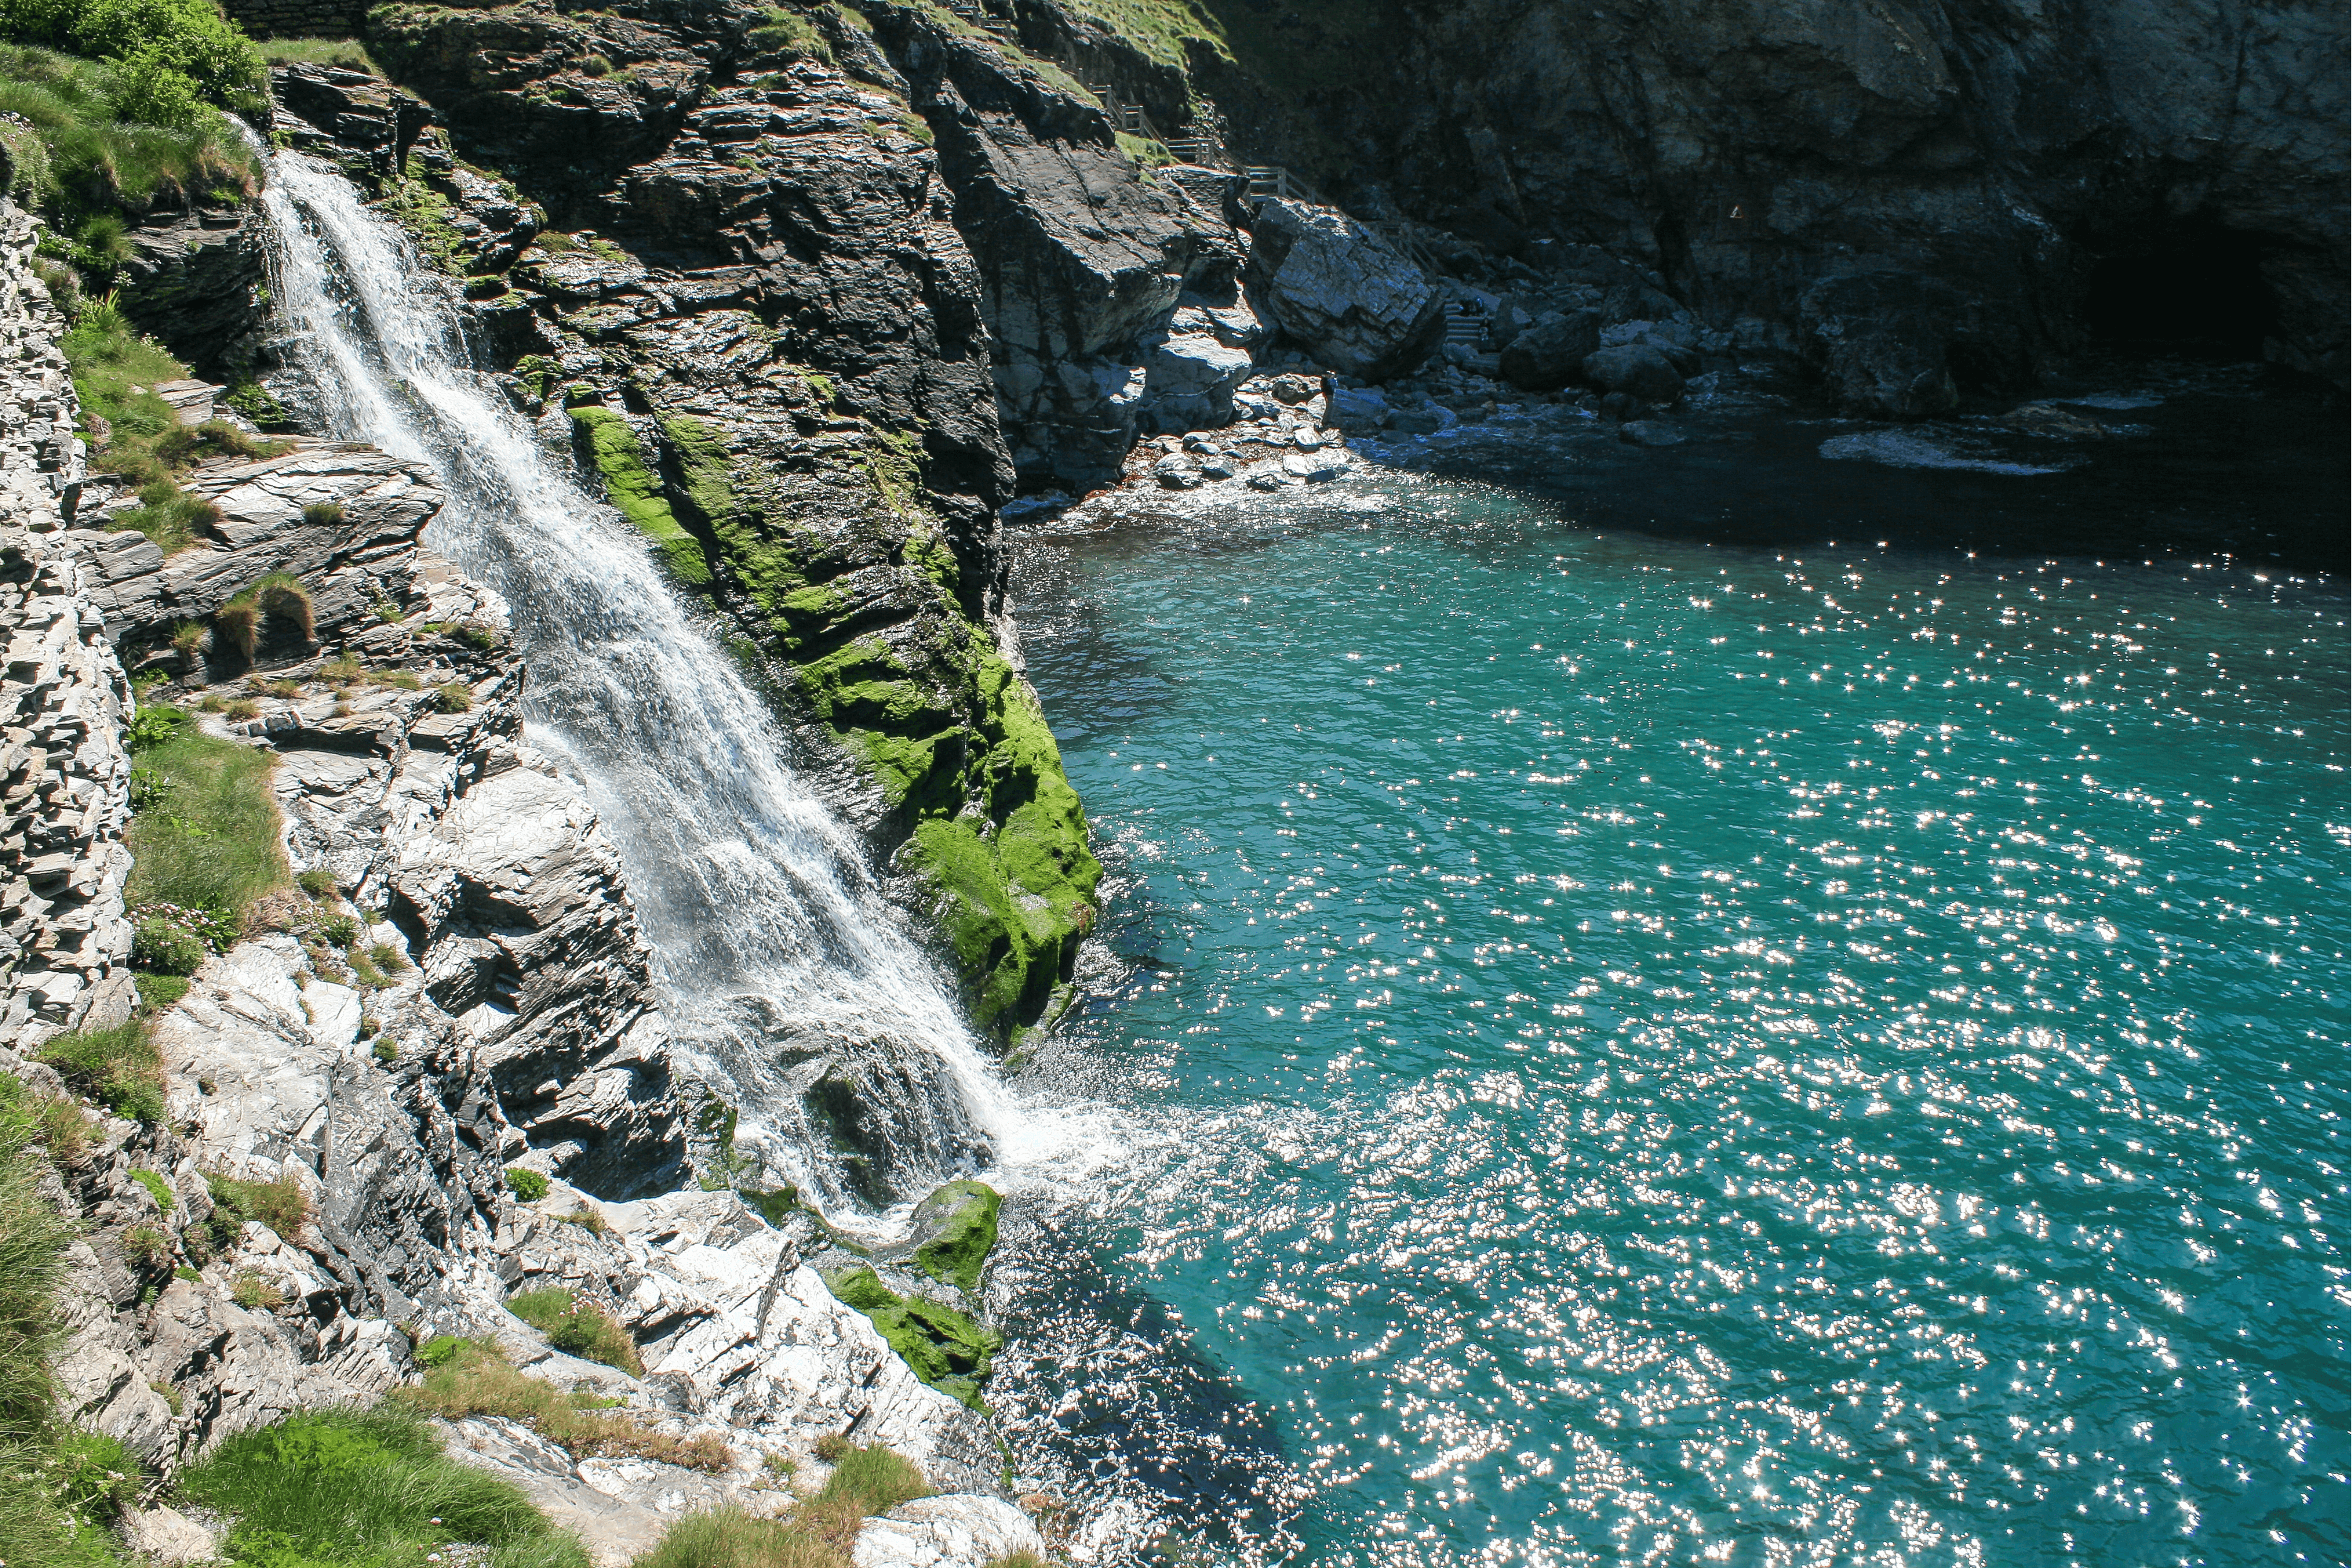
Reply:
x=819, y=1533
x=204, y=830
x=345, y=1488
x=106, y=141
x=347, y=53
x=1160, y=28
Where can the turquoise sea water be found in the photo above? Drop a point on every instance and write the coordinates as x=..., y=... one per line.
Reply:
x=1632, y=1050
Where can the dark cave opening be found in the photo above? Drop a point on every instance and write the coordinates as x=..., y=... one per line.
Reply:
x=2186, y=286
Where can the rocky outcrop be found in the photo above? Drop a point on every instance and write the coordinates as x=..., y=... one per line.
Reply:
x=1112, y=302
x=196, y=277
x=1348, y=296
x=63, y=697
x=770, y=350
x=343, y=518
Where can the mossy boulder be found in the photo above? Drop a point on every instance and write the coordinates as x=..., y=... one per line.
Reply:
x=949, y=1350
x=956, y=1226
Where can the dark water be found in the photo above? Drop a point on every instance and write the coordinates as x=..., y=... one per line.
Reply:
x=1639, y=1047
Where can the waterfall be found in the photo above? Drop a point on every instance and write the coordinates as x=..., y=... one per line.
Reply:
x=788, y=982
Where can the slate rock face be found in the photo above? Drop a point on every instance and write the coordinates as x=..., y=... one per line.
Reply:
x=1358, y=304
x=2026, y=156
x=1082, y=265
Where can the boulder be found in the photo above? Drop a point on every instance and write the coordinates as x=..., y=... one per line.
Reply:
x=1361, y=305
x=1649, y=432
x=1637, y=370
x=1550, y=354
x=1880, y=338
x=1188, y=380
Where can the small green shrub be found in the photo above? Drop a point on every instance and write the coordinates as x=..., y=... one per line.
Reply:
x=146, y=1245
x=337, y=930
x=323, y=514
x=157, y=992
x=388, y=958
x=254, y=1292
x=157, y=1188
x=162, y=948
x=476, y=635
x=577, y=1328
x=318, y=882
x=453, y=696
x=526, y=1184
x=281, y=1204
x=97, y=1474
x=588, y=1218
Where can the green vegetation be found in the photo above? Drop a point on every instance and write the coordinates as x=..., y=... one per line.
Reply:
x=1015, y=948
x=636, y=487
x=204, y=832
x=946, y=1348
x=1143, y=152
x=49, y=1124
x=281, y=1204
x=816, y=1534
x=117, y=1067
x=790, y=35
x=157, y=1188
x=347, y=53
x=577, y=1328
x=960, y=1246
x=1167, y=30
x=56, y=1491
x=526, y=1184
x=107, y=139
x=473, y=1377
x=343, y=1488
x=115, y=370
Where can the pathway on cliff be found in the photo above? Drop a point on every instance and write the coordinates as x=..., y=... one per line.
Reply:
x=786, y=978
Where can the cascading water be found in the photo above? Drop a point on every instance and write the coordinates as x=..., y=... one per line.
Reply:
x=785, y=979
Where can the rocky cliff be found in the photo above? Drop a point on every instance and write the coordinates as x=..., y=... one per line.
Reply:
x=2033, y=178
x=725, y=264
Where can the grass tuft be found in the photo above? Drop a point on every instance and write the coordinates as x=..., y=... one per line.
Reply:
x=578, y=1328
x=117, y=1067
x=819, y=1533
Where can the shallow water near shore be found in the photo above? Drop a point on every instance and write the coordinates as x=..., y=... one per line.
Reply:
x=1637, y=1049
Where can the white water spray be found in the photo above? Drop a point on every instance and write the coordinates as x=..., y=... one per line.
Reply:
x=787, y=978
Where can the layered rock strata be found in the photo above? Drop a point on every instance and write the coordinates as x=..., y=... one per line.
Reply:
x=63, y=697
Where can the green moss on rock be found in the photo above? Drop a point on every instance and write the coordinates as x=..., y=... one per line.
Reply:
x=961, y=1219
x=636, y=487
x=947, y=1349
